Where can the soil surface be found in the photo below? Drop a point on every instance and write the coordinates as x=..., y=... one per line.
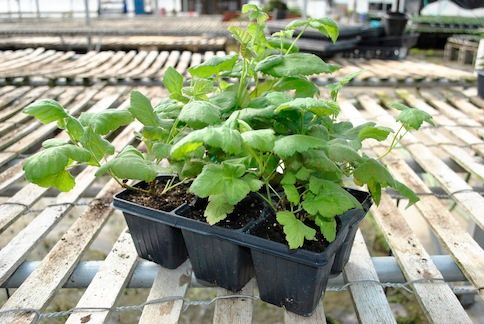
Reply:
x=270, y=229
x=165, y=202
x=246, y=211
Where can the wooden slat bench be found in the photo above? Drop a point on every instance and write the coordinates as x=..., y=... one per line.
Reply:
x=430, y=148
x=149, y=65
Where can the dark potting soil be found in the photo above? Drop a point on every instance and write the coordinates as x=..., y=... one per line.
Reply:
x=270, y=229
x=165, y=202
x=244, y=212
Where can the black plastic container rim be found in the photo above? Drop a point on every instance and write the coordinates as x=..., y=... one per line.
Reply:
x=242, y=236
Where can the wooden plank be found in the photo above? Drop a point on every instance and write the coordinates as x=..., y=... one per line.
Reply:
x=438, y=301
x=466, y=106
x=171, y=61
x=40, y=287
x=463, y=193
x=183, y=62
x=22, y=102
x=138, y=71
x=29, y=194
x=466, y=252
x=237, y=310
x=41, y=132
x=167, y=283
x=370, y=302
x=318, y=317
x=108, y=283
x=453, y=113
x=20, y=60
x=458, y=154
x=134, y=63
x=114, y=70
x=157, y=64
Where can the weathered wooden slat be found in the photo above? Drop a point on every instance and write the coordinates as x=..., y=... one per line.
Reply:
x=134, y=63
x=459, y=155
x=138, y=71
x=114, y=70
x=466, y=252
x=167, y=283
x=29, y=194
x=171, y=61
x=369, y=299
x=438, y=301
x=463, y=193
x=466, y=106
x=318, y=317
x=157, y=64
x=234, y=311
x=15, y=251
x=22, y=102
x=183, y=62
x=39, y=133
x=109, y=281
x=453, y=113
x=38, y=289
x=106, y=66
x=18, y=61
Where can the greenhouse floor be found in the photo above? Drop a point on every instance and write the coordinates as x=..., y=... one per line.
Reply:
x=65, y=231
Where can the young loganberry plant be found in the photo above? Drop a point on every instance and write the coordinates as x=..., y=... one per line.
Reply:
x=251, y=122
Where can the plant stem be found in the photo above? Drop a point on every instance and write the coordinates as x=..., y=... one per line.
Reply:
x=268, y=201
x=297, y=38
x=394, y=143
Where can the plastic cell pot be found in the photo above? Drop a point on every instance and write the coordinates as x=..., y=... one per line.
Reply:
x=215, y=253
x=154, y=235
x=297, y=279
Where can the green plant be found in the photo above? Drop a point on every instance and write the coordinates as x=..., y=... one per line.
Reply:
x=268, y=133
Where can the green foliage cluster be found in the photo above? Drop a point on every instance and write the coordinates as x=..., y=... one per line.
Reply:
x=247, y=123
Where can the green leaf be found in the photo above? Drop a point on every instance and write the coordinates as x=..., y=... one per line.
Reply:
x=327, y=227
x=129, y=164
x=335, y=88
x=173, y=81
x=53, y=142
x=213, y=65
x=142, y=110
x=209, y=182
x=199, y=89
x=379, y=133
x=74, y=128
x=303, y=174
x=154, y=133
x=411, y=118
x=295, y=230
x=375, y=175
x=406, y=192
x=331, y=199
x=318, y=160
x=289, y=178
x=106, y=121
x=198, y=114
x=235, y=189
x=292, y=194
x=342, y=153
x=217, y=209
x=225, y=138
x=98, y=146
x=254, y=183
x=296, y=64
x=47, y=168
x=161, y=150
x=225, y=100
x=326, y=27
x=288, y=145
x=315, y=106
x=46, y=110
x=261, y=139
x=255, y=13
x=302, y=86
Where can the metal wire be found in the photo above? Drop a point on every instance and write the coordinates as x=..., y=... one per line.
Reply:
x=39, y=315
